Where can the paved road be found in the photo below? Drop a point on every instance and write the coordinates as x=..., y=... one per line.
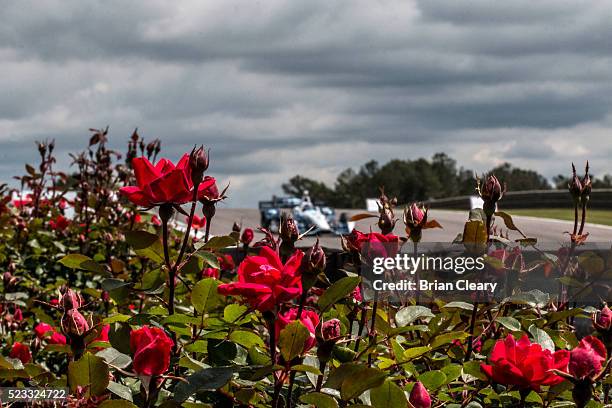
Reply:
x=546, y=230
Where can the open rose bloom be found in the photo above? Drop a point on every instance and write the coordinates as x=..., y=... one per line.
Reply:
x=163, y=183
x=525, y=364
x=264, y=282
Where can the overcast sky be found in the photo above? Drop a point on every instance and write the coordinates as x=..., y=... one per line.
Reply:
x=311, y=87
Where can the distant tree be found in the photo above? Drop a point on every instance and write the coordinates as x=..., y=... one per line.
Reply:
x=604, y=182
x=414, y=180
x=519, y=179
x=318, y=191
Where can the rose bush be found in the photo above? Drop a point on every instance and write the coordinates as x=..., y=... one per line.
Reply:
x=114, y=287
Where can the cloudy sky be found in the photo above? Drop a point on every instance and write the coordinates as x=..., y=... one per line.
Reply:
x=277, y=88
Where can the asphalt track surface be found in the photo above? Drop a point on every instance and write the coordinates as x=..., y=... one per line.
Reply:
x=547, y=231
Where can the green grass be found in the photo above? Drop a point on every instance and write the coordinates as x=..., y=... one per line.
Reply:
x=593, y=216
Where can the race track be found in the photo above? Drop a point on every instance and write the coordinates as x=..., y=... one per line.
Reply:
x=547, y=231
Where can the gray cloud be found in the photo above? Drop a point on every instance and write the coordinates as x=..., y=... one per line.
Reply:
x=277, y=88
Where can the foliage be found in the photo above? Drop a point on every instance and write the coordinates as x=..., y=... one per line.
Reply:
x=118, y=303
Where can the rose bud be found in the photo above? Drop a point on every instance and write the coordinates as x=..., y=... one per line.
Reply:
x=588, y=359
x=331, y=329
x=419, y=397
x=386, y=218
x=9, y=280
x=314, y=261
x=74, y=323
x=236, y=227
x=198, y=163
x=289, y=231
x=602, y=320
x=247, y=236
x=575, y=185
x=586, y=185
x=18, y=315
x=21, y=352
x=210, y=273
x=491, y=192
x=71, y=300
x=151, y=348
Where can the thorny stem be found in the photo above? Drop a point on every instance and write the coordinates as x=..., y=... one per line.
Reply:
x=373, y=327
x=170, y=268
x=322, y=365
x=292, y=375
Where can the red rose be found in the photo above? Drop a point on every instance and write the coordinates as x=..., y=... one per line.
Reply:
x=419, y=397
x=373, y=245
x=247, y=236
x=21, y=351
x=163, y=183
x=226, y=262
x=103, y=336
x=309, y=319
x=588, y=359
x=151, y=348
x=42, y=331
x=356, y=294
x=198, y=222
x=210, y=273
x=59, y=223
x=156, y=221
x=208, y=190
x=57, y=338
x=525, y=364
x=264, y=281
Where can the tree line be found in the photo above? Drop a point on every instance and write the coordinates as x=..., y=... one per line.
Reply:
x=419, y=180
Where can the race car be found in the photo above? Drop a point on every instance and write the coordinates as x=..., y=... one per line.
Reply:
x=316, y=218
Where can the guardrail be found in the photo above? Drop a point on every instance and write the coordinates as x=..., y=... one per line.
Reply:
x=600, y=198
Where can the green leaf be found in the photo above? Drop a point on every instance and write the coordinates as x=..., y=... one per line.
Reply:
x=415, y=352
x=459, y=305
x=452, y=372
x=204, y=296
x=542, y=338
x=210, y=259
x=337, y=291
x=364, y=379
x=112, y=284
x=114, y=357
x=235, y=313
x=146, y=244
x=78, y=261
x=433, y=379
x=472, y=368
x=409, y=314
x=246, y=339
x=219, y=242
x=319, y=400
x=291, y=340
x=447, y=338
x=89, y=372
x=306, y=368
x=509, y=323
x=120, y=390
x=388, y=395
x=208, y=379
